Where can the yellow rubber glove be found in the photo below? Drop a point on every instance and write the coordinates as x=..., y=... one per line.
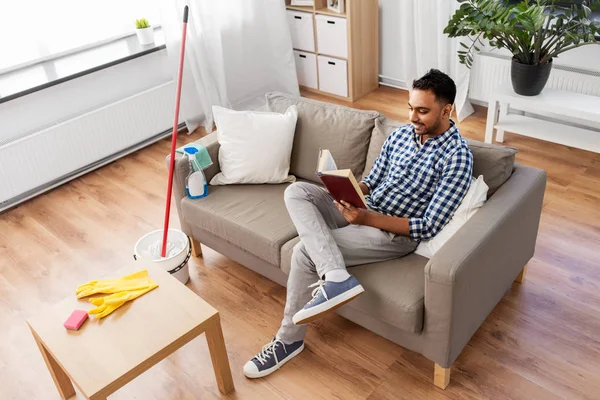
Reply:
x=107, y=304
x=136, y=281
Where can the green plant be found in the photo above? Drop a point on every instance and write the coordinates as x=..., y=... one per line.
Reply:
x=535, y=31
x=142, y=23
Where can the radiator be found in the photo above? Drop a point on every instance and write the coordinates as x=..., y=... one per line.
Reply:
x=491, y=70
x=39, y=161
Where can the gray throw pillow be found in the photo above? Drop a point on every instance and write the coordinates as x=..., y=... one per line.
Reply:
x=383, y=128
x=492, y=161
x=346, y=132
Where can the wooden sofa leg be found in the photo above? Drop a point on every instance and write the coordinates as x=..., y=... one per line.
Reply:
x=441, y=377
x=522, y=275
x=196, y=249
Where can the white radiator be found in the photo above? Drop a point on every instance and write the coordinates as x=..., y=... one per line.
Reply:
x=39, y=161
x=490, y=71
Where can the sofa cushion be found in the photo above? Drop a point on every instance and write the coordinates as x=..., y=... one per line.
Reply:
x=383, y=128
x=346, y=132
x=492, y=161
x=252, y=217
x=394, y=289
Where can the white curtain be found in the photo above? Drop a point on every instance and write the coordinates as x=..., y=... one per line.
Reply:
x=236, y=51
x=424, y=46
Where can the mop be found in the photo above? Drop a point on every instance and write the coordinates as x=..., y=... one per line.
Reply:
x=132, y=286
x=198, y=158
x=163, y=252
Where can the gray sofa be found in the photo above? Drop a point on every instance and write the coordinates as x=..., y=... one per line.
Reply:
x=431, y=306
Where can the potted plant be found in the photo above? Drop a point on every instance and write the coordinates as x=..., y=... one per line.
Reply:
x=534, y=31
x=144, y=31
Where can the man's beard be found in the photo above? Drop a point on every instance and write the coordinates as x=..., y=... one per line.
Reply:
x=433, y=128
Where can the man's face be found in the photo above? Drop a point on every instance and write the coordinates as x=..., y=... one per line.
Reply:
x=425, y=112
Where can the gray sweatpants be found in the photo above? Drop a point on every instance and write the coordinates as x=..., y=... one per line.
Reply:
x=327, y=242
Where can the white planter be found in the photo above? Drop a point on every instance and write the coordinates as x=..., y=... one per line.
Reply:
x=145, y=35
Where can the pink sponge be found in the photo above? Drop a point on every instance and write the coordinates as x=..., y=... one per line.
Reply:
x=76, y=319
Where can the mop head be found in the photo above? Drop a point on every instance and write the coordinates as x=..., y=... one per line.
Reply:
x=154, y=249
x=198, y=155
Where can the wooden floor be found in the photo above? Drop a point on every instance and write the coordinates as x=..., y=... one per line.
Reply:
x=541, y=342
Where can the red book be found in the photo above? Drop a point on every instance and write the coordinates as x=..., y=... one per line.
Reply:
x=341, y=183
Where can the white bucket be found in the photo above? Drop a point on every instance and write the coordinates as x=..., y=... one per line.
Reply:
x=177, y=264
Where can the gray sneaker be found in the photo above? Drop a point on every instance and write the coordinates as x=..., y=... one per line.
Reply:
x=327, y=297
x=272, y=357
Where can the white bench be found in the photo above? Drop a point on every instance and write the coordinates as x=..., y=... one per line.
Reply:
x=562, y=104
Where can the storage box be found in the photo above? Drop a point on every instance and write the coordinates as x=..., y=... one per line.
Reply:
x=307, y=3
x=332, y=36
x=333, y=76
x=306, y=68
x=302, y=30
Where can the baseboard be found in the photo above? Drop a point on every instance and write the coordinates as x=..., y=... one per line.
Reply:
x=392, y=82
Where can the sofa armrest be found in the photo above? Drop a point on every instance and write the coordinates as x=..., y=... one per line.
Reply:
x=182, y=169
x=471, y=273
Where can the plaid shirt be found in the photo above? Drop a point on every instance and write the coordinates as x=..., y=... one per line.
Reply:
x=424, y=183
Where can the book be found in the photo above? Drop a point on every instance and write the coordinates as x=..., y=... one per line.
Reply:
x=340, y=183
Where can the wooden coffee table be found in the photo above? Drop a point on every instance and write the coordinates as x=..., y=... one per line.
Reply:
x=106, y=354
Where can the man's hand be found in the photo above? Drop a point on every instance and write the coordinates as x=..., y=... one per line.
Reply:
x=364, y=188
x=359, y=216
x=352, y=214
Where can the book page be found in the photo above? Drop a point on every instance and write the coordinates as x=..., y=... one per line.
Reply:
x=357, y=188
x=339, y=172
x=326, y=162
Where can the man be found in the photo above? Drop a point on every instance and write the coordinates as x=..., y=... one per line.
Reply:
x=415, y=186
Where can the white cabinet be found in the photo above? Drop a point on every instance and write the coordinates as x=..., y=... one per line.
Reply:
x=302, y=30
x=306, y=68
x=333, y=76
x=332, y=38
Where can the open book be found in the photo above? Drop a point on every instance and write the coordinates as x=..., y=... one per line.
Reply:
x=341, y=183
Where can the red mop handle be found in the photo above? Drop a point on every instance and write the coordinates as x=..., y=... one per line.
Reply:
x=174, y=135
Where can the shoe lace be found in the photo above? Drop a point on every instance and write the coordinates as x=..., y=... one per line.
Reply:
x=268, y=350
x=318, y=287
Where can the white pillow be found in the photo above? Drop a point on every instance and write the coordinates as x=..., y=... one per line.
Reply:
x=256, y=147
x=474, y=199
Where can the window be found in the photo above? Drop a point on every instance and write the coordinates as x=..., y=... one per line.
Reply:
x=36, y=30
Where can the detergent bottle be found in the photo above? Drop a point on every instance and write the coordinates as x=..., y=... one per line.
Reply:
x=196, y=186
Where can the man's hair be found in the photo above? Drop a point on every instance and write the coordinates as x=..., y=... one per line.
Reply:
x=440, y=84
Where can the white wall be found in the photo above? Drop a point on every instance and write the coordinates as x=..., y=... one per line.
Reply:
x=390, y=63
x=586, y=57
x=66, y=100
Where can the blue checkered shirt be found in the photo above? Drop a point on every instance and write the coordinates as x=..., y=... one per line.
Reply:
x=424, y=183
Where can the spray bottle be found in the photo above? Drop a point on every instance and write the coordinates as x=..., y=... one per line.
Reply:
x=196, y=186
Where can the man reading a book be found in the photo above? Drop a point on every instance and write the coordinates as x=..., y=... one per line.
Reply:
x=415, y=186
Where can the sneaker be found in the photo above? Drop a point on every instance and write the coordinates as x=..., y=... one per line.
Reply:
x=272, y=357
x=326, y=297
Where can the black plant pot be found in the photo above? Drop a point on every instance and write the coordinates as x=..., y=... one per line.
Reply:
x=529, y=80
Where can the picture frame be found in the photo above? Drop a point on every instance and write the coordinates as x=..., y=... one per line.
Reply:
x=336, y=6
x=308, y=3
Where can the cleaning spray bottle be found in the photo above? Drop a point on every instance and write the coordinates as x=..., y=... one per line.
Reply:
x=196, y=186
